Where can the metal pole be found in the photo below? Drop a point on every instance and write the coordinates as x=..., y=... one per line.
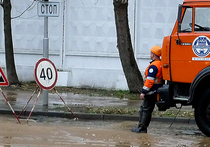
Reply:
x=46, y=55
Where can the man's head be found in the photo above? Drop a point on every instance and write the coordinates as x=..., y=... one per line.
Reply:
x=155, y=52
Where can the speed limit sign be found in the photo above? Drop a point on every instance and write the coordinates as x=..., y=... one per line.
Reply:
x=45, y=74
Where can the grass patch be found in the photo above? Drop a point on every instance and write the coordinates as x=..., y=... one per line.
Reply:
x=173, y=113
x=127, y=111
x=111, y=110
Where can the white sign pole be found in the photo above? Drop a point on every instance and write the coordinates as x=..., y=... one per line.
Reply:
x=46, y=55
x=47, y=9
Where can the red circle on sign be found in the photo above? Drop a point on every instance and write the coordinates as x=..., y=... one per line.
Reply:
x=45, y=73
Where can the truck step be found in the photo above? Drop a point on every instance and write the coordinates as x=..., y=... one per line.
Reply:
x=181, y=98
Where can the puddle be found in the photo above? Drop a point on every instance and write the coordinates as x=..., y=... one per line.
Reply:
x=47, y=131
x=20, y=98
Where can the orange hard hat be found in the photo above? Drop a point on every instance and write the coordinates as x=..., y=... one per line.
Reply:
x=156, y=50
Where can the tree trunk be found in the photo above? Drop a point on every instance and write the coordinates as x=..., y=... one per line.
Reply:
x=10, y=63
x=129, y=65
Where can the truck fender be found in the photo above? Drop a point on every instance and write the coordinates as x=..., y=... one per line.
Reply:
x=199, y=84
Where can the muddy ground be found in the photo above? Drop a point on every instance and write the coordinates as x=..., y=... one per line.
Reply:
x=44, y=131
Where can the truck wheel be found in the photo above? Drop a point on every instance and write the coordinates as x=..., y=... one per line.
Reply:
x=202, y=113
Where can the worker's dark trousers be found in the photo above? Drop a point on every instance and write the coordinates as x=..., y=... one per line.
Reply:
x=146, y=109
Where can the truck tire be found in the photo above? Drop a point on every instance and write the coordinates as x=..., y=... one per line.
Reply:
x=202, y=113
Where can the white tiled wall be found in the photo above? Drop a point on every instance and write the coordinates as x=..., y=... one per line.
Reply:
x=83, y=39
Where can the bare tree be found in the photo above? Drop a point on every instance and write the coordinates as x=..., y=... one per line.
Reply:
x=129, y=65
x=9, y=54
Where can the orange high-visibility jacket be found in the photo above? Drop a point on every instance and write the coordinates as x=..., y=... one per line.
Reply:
x=153, y=75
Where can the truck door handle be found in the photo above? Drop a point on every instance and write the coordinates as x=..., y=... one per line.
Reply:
x=165, y=66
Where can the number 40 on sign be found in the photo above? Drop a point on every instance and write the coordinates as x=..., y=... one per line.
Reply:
x=45, y=74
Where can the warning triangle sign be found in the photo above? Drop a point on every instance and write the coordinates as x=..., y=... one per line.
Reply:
x=3, y=79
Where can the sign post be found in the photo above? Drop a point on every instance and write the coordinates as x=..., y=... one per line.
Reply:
x=46, y=77
x=47, y=9
x=45, y=54
x=4, y=82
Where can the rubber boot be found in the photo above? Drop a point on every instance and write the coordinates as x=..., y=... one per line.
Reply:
x=139, y=130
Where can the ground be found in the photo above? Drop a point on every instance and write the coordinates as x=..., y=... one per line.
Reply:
x=30, y=87
x=56, y=132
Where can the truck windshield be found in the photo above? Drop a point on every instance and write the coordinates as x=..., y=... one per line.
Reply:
x=202, y=19
x=186, y=25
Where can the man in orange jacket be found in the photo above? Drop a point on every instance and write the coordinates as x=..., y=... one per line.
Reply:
x=153, y=75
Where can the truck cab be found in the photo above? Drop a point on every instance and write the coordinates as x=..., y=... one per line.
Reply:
x=186, y=62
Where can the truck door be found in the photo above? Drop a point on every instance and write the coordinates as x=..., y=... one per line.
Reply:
x=190, y=47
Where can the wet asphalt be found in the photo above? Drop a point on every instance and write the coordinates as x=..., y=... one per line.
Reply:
x=33, y=104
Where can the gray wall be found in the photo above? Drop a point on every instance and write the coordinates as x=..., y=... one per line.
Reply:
x=83, y=39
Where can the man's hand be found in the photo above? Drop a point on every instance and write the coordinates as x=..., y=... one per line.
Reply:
x=142, y=96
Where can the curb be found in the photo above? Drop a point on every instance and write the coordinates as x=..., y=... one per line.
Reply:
x=92, y=116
